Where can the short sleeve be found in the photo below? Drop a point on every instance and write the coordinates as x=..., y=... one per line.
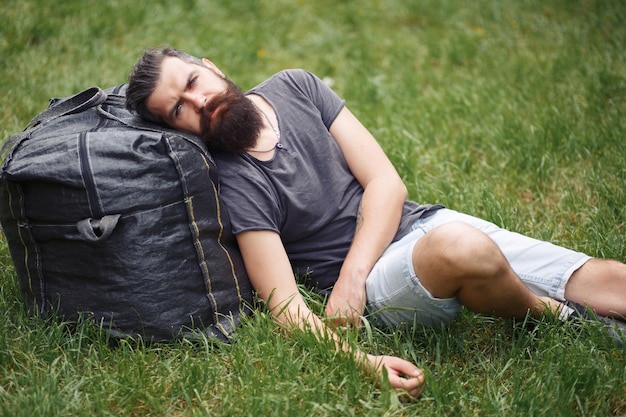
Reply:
x=327, y=102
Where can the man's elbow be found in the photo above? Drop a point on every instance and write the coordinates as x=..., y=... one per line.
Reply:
x=401, y=189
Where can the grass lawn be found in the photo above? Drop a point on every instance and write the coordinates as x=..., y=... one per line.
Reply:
x=514, y=111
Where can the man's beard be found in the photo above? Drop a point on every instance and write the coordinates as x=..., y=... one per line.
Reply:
x=236, y=125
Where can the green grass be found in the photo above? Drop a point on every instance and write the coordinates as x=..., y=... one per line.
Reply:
x=514, y=111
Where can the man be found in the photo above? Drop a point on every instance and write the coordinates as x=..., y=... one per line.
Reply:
x=310, y=191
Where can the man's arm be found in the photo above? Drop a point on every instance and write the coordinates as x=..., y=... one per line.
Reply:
x=271, y=276
x=379, y=214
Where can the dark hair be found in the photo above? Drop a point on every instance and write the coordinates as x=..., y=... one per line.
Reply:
x=144, y=76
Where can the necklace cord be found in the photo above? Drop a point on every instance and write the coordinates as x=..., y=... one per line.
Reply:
x=276, y=132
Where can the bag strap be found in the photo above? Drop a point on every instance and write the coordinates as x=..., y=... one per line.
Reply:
x=91, y=97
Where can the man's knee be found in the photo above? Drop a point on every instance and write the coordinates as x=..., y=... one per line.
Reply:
x=597, y=273
x=463, y=249
x=600, y=284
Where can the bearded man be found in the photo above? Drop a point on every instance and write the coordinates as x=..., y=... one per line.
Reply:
x=311, y=193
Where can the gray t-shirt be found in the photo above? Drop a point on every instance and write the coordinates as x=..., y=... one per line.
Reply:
x=306, y=193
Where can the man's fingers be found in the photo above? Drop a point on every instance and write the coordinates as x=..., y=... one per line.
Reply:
x=405, y=376
x=411, y=386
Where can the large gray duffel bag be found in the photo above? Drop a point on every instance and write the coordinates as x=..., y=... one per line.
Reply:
x=108, y=215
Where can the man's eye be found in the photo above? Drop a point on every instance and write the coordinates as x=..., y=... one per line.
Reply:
x=177, y=110
x=192, y=81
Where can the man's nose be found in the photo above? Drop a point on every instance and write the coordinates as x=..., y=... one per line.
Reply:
x=197, y=100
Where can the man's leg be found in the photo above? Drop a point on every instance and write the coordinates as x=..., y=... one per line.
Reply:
x=600, y=284
x=458, y=260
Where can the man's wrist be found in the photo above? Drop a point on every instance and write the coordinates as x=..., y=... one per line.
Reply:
x=354, y=275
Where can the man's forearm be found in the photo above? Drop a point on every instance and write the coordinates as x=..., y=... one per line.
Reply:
x=378, y=219
x=377, y=223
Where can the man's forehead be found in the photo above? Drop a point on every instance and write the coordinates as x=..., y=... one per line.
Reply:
x=174, y=73
x=172, y=63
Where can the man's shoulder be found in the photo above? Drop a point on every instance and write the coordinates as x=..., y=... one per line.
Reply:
x=292, y=77
x=234, y=165
x=227, y=158
x=293, y=74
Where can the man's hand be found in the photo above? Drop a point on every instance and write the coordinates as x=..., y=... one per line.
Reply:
x=346, y=303
x=405, y=377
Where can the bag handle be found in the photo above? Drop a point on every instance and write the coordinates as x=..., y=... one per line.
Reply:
x=95, y=230
x=90, y=97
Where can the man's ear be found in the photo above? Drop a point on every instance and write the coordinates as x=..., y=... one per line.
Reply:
x=213, y=67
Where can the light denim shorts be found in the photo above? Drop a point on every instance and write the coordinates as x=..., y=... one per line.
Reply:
x=395, y=294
